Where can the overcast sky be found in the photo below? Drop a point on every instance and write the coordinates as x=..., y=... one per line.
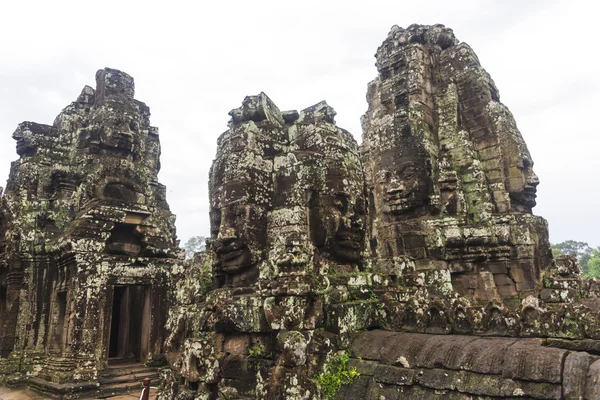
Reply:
x=194, y=61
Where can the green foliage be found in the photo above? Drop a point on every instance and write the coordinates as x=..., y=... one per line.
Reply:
x=572, y=247
x=583, y=251
x=256, y=352
x=337, y=373
x=205, y=279
x=592, y=269
x=194, y=245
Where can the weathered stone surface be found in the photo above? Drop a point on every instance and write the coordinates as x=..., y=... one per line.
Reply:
x=88, y=241
x=592, y=387
x=448, y=171
x=527, y=360
x=288, y=222
x=575, y=375
x=418, y=252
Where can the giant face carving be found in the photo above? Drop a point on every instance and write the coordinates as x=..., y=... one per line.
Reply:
x=403, y=180
x=521, y=181
x=338, y=211
x=31, y=136
x=238, y=220
x=337, y=225
x=117, y=134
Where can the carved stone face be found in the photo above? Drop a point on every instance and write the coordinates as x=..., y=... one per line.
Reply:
x=337, y=224
x=238, y=227
x=402, y=182
x=30, y=137
x=338, y=213
x=521, y=181
x=117, y=134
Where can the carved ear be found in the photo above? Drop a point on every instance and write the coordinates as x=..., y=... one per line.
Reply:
x=316, y=229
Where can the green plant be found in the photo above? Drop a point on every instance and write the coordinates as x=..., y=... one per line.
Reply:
x=337, y=373
x=256, y=352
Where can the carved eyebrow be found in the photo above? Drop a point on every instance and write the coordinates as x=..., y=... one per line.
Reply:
x=407, y=164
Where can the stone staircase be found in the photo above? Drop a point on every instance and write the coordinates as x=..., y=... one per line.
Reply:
x=124, y=376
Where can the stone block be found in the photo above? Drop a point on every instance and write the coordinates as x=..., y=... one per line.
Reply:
x=484, y=355
x=478, y=384
x=358, y=389
x=528, y=360
x=575, y=375
x=503, y=280
x=440, y=379
x=507, y=291
x=498, y=267
x=394, y=375
x=592, y=386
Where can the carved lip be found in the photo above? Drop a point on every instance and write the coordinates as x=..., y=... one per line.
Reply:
x=398, y=198
x=348, y=239
x=349, y=244
x=21, y=145
x=230, y=255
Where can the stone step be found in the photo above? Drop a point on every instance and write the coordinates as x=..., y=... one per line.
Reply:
x=64, y=390
x=137, y=378
x=127, y=370
x=117, y=388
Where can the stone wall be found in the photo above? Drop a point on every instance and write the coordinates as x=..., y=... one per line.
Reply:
x=417, y=252
x=394, y=365
x=84, y=225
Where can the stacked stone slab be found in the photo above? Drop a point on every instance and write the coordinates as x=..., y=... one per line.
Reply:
x=83, y=217
x=449, y=173
x=417, y=253
x=395, y=365
x=288, y=219
x=452, y=189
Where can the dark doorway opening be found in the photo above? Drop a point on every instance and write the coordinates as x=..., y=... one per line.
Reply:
x=58, y=329
x=130, y=323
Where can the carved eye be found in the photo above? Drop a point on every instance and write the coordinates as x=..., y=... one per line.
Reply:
x=341, y=203
x=215, y=221
x=408, y=172
x=360, y=207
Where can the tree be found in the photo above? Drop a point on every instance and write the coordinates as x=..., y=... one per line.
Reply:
x=573, y=247
x=593, y=265
x=194, y=245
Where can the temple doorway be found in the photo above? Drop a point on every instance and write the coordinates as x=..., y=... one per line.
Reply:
x=130, y=323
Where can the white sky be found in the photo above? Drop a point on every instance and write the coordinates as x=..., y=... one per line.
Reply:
x=194, y=61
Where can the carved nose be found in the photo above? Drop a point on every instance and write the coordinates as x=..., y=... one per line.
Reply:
x=226, y=235
x=533, y=179
x=397, y=189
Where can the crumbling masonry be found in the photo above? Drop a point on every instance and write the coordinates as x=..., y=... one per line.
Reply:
x=87, y=243
x=416, y=253
x=409, y=267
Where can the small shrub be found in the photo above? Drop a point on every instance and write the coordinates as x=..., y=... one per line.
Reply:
x=337, y=373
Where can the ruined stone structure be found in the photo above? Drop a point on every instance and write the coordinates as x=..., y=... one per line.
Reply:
x=288, y=212
x=410, y=267
x=413, y=261
x=87, y=242
x=449, y=174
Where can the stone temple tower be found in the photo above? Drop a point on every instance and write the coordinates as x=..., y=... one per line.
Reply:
x=87, y=241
